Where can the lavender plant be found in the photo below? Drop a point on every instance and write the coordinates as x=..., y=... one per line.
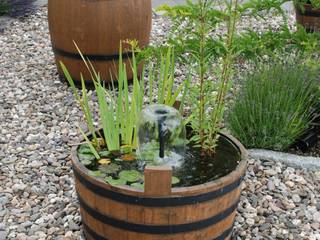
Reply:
x=275, y=105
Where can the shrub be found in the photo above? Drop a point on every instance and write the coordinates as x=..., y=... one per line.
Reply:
x=275, y=106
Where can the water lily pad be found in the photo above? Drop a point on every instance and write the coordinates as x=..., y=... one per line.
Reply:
x=104, y=161
x=116, y=182
x=86, y=162
x=97, y=173
x=137, y=185
x=130, y=175
x=84, y=148
x=110, y=168
x=104, y=153
x=125, y=149
x=175, y=180
x=86, y=156
x=128, y=157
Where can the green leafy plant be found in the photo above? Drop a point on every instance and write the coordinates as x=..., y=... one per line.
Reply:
x=247, y=43
x=111, y=168
x=116, y=182
x=161, y=76
x=300, y=3
x=196, y=21
x=118, y=108
x=175, y=180
x=194, y=37
x=130, y=175
x=117, y=114
x=252, y=45
x=216, y=15
x=274, y=106
x=137, y=185
x=109, y=154
x=4, y=7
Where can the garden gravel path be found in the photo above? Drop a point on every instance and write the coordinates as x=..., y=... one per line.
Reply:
x=38, y=119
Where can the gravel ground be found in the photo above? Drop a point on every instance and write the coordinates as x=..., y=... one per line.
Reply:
x=38, y=119
x=279, y=202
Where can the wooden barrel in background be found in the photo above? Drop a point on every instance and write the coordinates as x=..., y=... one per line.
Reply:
x=308, y=17
x=97, y=27
x=202, y=212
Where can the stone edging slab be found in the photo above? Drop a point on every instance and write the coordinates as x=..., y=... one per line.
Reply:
x=292, y=160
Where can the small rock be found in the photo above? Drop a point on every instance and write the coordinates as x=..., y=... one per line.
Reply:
x=73, y=226
x=250, y=221
x=3, y=235
x=19, y=187
x=315, y=225
x=316, y=217
x=270, y=172
x=270, y=185
x=265, y=226
x=290, y=184
x=2, y=226
x=296, y=198
x=69, y=235
x=296, y=222
x=290, y=225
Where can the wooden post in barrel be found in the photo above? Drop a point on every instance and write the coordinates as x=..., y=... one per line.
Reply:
x=157, y=181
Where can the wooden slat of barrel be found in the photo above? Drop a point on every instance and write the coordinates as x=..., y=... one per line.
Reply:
x=105, y=68
x=97, y=27
x=218, y=209
x=149, y=215
x=100, y=209
x=220, y=230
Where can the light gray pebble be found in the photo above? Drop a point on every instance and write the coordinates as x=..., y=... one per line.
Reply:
x=271, y=185
x=296, y=198
x=3, y=235
x=19, y=187
x=316, y=217
x=265, y=226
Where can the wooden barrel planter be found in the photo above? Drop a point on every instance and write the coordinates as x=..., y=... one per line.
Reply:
x=159, y=212
x=309, y=17
x=97, y=27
